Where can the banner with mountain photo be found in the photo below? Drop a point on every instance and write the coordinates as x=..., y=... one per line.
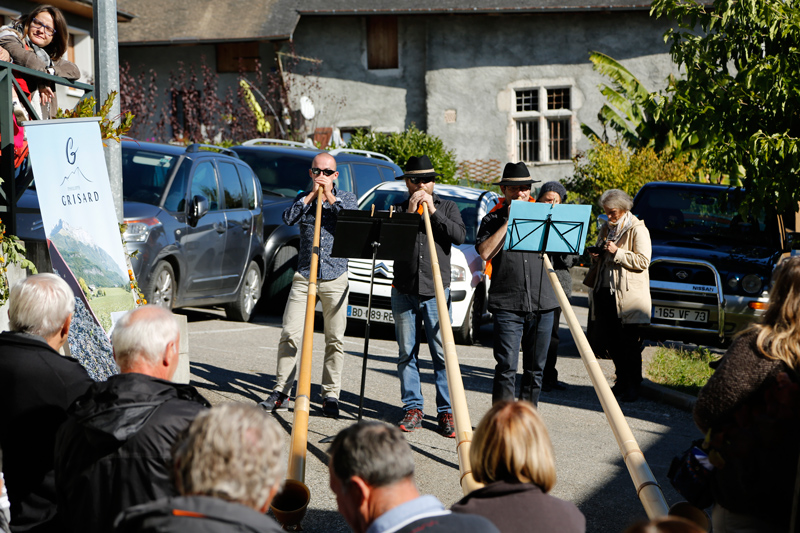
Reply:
x=78, y=214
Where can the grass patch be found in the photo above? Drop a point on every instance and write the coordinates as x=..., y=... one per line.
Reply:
x=682, y=370
x=116, y=299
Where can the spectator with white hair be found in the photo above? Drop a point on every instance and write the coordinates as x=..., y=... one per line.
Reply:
x=227, y=470
x=37, y=385
x=114, y=450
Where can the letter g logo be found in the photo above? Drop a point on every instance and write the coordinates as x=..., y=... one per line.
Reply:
x=70, y=152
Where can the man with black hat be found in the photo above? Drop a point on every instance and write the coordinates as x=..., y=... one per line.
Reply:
x=520, y=297
x=413, y=294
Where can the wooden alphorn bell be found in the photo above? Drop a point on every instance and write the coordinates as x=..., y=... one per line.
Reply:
x=289, y=507
x=458, y=399
x=647, y=488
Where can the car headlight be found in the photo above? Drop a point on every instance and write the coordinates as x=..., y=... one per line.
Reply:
x=139, y=230
x=751, y=284
x=458, y=273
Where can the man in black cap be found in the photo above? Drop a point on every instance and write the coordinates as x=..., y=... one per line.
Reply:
x=413, y=294
x=520, y=296
x=553, y=192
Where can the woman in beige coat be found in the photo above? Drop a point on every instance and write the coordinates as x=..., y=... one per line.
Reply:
x=621, y=290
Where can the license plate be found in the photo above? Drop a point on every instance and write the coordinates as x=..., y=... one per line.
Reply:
x=677, y=313
x=378, y=315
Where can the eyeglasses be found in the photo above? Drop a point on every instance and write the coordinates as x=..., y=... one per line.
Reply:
x=417, y=181
x=47, y=29
x=326, y=171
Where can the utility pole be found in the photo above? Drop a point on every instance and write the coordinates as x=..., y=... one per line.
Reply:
x=106, y=80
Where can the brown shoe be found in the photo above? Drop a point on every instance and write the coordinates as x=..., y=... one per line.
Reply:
x=446, y=425
x=411, y=421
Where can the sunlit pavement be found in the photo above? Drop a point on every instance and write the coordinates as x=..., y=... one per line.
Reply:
x=236, y=362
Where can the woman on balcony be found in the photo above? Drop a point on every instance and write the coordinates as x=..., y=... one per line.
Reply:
x=38, y=41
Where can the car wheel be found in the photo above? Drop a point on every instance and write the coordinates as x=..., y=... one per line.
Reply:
x=279, y=281
x=464, y=334
x=242, y=308
x=162, y=287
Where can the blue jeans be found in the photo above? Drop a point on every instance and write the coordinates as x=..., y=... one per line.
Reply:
x=511, y=327
x=410, y=312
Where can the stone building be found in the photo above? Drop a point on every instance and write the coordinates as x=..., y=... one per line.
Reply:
x=496, y=80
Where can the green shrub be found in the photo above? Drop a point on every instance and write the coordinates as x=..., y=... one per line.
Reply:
x=412, y=142
x=683, y=370
x=611, y=166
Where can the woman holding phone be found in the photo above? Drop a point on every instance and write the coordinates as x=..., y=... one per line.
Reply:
x=620, y=297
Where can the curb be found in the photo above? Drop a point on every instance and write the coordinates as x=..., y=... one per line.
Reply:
x=659, y=393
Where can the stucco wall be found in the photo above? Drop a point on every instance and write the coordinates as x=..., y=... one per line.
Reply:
x=467, y=65
x=384, y=100
x=471, y=65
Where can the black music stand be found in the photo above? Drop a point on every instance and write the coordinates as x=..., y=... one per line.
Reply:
x=365, y=231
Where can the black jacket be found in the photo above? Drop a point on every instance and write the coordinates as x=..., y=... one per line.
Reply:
x=514, y=507
x=198, y=514
x=37, y=385
x=114, y=451
x=414, y=275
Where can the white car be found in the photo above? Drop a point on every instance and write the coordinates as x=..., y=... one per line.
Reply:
x=468, y=288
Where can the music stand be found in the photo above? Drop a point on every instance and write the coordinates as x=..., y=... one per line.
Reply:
x=364, y=232
x=540, y=227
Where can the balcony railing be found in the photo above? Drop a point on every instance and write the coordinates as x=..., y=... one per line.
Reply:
x=13, y=187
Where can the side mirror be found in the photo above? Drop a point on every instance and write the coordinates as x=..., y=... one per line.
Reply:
x=197, y=209
x=601, y=219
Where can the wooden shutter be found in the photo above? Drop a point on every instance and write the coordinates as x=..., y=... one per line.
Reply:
x=382, y=44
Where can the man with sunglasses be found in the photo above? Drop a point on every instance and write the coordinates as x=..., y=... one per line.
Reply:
x=331, y=289
x=413, y=295
x=521, y=298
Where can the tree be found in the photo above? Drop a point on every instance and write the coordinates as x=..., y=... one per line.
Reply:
x=412, y=142
x=737, y=105
x=631, y=110
x=85, y=288
x=613, y=166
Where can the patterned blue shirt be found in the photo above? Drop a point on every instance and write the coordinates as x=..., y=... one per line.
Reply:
x=329, y=267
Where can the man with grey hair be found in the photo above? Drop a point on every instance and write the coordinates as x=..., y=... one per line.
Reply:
x=114, y=450
x=227, y=470
x=37, y=385
x=372, y=474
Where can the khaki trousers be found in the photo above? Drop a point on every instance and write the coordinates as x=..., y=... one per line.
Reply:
x=332, y=294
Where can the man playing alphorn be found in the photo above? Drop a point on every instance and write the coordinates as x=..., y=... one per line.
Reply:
x=520, y=298
x=413, y=295
x=331, y=289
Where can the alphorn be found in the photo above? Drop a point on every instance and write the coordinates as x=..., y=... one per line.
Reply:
x=458, y=398
x=647, y=488
x=289, y=507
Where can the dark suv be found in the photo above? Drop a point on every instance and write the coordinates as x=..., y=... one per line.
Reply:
x=194, y=226
x=282, y=168
x=711, y=267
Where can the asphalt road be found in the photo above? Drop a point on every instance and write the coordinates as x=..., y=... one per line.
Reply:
x=236, y=362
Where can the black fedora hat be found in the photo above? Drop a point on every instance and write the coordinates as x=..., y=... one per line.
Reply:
x=516, y=174
x=419, y=167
